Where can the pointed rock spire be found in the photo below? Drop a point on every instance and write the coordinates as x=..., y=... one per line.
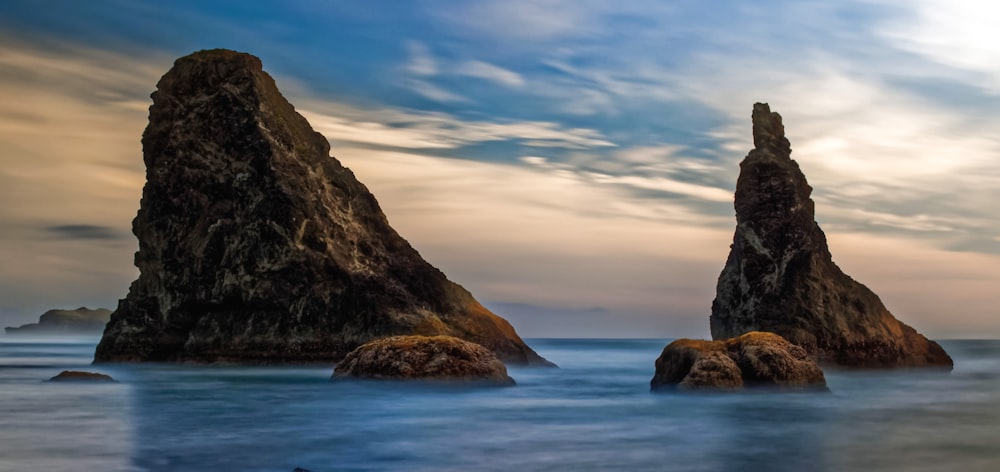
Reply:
x=780, y=276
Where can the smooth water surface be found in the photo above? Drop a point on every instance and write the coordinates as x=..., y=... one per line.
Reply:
x=593, y=413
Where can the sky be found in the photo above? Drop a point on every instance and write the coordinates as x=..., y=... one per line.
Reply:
x=570, y=162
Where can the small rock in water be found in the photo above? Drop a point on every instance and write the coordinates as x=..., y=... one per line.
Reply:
x=438, y=358
x=76, y=375
x=755, y=359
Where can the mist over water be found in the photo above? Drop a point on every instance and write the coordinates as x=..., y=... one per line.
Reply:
x=594, y=413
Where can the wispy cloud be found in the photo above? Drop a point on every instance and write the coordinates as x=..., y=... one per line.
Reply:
x=424, y=130
x=420, y=61
x=487, y=71
x=960, y=34
x=434, y=92
x=423, y=67
x=85, y=231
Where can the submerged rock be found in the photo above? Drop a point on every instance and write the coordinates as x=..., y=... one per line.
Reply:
x=438, y=358
x=79, y=321
x=780, y=276
x=754, y=359
x=76, y=375
x=257, y=246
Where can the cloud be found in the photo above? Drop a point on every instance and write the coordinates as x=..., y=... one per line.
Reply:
x=878, y=157
x=84, y=231
x=487, y=71
x=514, y=234
x=433, y=92
x=960, y=34
x=525, y=20
x=71, y=153
x=435, y=130
x=420, y=61
x=659, y=177
x=422, y=66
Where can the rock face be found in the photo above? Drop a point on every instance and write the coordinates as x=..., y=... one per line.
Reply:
x=79, y=321
x=780, y=276
x=257, y=246
x=755, y=359
x=438, y=358
x=79, y=376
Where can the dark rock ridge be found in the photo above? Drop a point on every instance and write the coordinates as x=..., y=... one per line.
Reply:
x=755, y=359
x=437, y=358
x=79, y=321
x=257, y=246
x=780, y=276
x=80, y=376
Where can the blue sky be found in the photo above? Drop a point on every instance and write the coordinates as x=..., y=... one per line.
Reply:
x=570, y=162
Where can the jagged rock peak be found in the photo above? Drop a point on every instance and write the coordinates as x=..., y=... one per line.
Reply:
x=257, y=246
x=768, y=132
x=781, y=278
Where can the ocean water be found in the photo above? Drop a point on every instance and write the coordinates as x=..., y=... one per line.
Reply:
x=594, y=413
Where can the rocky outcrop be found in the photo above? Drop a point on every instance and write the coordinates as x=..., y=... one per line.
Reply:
x=437, y=358
x=257, y=246
x=780, y=276
x=79, y=376
x=752, y=360
x=79, y=321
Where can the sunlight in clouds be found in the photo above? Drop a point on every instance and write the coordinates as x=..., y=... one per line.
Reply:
x=959, y=33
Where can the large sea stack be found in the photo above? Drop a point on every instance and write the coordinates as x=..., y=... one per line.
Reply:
x=257, y=246
x=781, y=278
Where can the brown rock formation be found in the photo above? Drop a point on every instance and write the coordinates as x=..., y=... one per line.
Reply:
x=780, y=276
x=257, y=246
x=438, y=358
x=754, y=359
x=76, y=375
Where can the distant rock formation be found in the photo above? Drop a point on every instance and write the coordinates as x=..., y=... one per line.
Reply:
x=437, y=358
x=257, y=246
x=752, y=360
x=79, y=376
x=79, y=321
x=780, y=276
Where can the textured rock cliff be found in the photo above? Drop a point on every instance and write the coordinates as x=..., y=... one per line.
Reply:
x=780, y=276
x=257, y=246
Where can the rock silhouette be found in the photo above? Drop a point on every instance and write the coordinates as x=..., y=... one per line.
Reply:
x=257, y=246
x=780, y=276
x=79, y=321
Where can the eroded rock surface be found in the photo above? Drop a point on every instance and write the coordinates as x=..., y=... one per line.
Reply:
x=754, y=359
x=780, y=276
x=257, y=246
x=437, y=358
